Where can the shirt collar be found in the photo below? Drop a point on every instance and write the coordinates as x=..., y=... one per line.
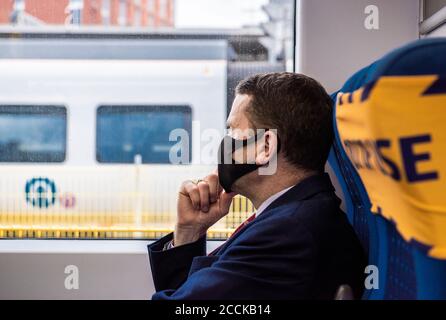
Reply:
x=265, y=204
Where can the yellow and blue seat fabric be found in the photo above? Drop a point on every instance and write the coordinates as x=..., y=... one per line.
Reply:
x=389, y=156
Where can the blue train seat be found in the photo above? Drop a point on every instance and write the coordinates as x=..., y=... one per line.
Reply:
x=389, y=156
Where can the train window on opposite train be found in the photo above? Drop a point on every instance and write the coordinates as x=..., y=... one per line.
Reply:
x=126, y=132
x=31, y=133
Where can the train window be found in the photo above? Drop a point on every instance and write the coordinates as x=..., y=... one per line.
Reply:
x=125, y=133
x=133, y=72
x=32, y=133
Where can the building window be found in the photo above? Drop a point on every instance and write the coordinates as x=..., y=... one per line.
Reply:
x=125, y=133
x=33, y=133
x=122, y=17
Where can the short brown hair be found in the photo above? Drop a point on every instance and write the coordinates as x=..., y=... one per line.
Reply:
x=301, y=111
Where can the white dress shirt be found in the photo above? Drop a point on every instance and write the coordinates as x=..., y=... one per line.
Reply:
x=265, y=204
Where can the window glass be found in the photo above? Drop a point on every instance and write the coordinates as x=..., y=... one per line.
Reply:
x=132, y=73
x=126, y=132
x=32, y=133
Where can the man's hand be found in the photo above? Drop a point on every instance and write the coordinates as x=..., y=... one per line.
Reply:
x=200, y=205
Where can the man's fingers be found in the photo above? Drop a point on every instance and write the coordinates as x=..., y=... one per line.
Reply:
x=190, y=189
x=203, y=187
x=205, y=193
x=219, y=188
x=212, y=180
x=225, y=201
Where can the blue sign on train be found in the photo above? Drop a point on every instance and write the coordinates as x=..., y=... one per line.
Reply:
x=40, y=192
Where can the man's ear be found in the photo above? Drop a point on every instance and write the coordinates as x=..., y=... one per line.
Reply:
x=267, y=148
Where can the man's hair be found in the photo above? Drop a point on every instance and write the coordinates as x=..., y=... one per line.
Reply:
x=299, y=108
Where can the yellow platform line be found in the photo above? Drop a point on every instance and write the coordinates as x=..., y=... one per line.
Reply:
x=54, y=232
x=96, y=229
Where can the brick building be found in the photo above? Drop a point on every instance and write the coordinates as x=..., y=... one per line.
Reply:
x=143, y=13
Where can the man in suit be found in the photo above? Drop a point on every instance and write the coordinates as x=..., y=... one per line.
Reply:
x=299, y=244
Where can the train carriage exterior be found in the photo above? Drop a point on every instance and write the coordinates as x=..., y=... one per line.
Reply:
x=87, y=99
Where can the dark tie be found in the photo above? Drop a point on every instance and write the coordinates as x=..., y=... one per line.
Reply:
x=240, y=227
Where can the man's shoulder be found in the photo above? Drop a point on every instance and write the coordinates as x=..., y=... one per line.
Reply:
x=318, y=218
x=300, y=218
x=312, y=201
x=315, y=209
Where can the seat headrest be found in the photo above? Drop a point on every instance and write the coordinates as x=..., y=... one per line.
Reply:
x=391, y=123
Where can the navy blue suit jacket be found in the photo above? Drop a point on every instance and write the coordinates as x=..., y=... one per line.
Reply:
x=301, y=247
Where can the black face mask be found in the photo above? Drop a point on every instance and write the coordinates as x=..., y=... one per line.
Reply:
x=229, y=171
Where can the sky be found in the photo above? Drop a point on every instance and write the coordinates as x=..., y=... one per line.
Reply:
x=218, y=13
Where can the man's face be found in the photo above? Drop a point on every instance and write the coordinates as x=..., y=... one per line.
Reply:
x=240, y=128
x=238, y=122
